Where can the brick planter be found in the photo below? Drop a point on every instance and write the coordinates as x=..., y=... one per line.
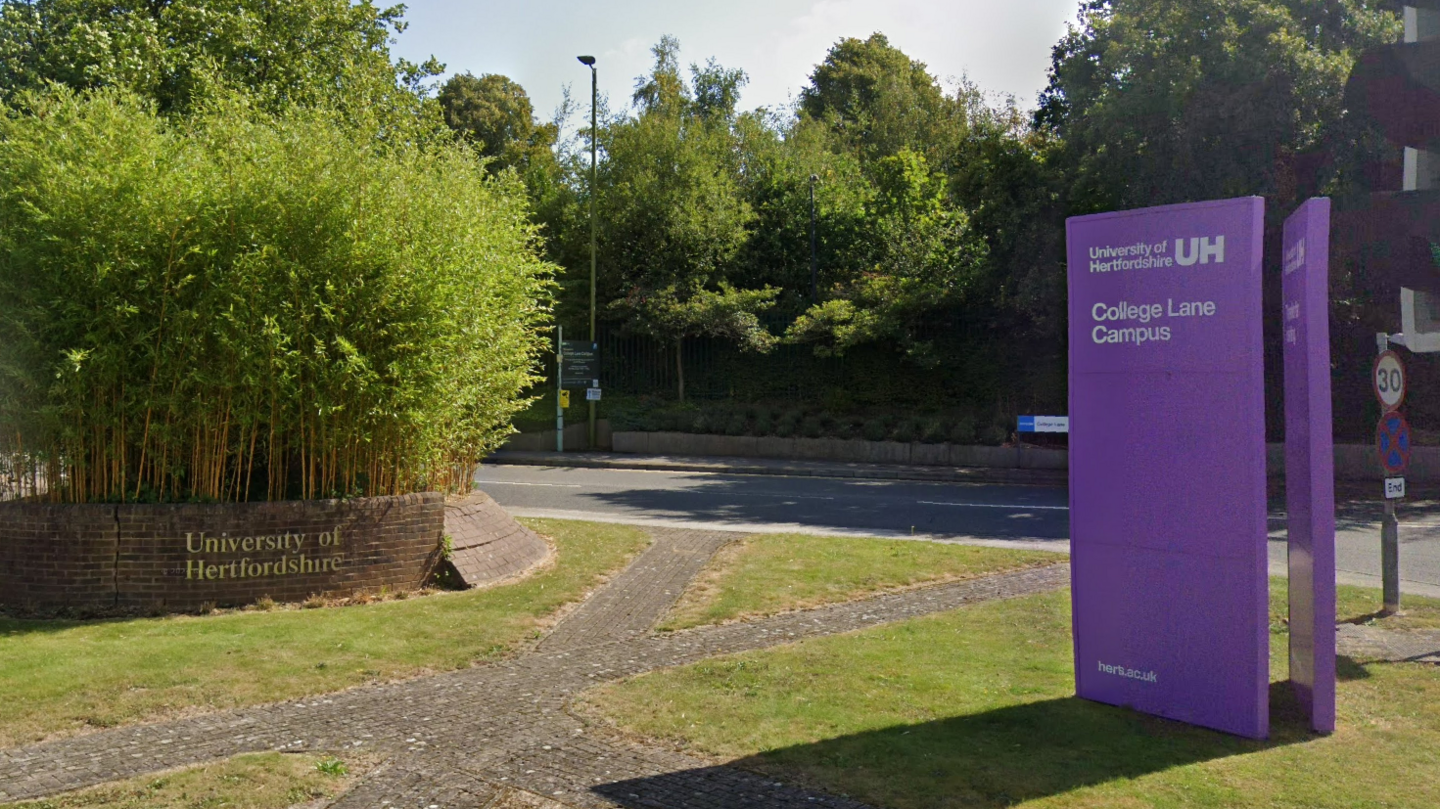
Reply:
x=179, y=557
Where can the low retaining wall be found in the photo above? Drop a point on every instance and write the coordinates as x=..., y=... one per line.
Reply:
x=180, y=557
x=836, y=449
x=577, y=438
x=486, y=543
x=1352, y=461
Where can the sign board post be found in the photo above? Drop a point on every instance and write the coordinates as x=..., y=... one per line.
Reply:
x=1310, y=460
x=559, y=389
x=1167, y=463
x=1392, y=449
x=581, y=364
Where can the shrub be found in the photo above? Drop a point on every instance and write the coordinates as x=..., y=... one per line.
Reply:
x=905, y=431
x=810, y=427
x=994, y=435
x=737, y=425
x=717, y=422
x=785, y=429
x=874, y=430
x=933, y=432
x=764, y=425
x=963, y=431
x=237, y=307
x=791, y=420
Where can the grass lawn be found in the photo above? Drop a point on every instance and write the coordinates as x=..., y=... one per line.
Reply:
x=64, y=676
x=770, y=573
x=258, y=781
x=974, y=708
x=1361, y=605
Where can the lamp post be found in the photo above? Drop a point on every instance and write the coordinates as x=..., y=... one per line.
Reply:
x=589, y=61
x=813, y=271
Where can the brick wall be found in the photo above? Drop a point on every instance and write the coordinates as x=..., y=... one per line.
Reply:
x=488, y=544
x=178, y=557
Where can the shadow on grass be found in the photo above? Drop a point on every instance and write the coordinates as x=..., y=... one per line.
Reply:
x=993, y=759
x=11, y=626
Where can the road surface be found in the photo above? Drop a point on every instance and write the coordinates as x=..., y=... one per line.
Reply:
x=990, y=514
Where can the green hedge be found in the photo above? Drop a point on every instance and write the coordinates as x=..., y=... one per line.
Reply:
x=235, y=306
x=792, y=420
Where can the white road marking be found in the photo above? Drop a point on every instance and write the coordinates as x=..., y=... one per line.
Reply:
x=519, y=483
x=675, y=490
x=993, y=505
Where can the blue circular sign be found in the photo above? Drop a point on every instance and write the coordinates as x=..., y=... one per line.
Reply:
x=1392, y=442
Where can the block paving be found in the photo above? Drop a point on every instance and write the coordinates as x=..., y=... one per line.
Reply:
x=500, y=736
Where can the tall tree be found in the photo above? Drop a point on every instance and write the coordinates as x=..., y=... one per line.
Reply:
x=924, y=258
x=879, y=101
x=675, y=215
x=279, y=52
x=1159, y=101
x=494, y=114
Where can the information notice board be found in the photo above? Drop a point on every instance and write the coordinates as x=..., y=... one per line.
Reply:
x=1167, y=462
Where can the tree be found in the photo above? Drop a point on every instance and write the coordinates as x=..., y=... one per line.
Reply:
x=675, y=215
x=1161, y=102
x=495, y=116
x=879, y=101
x=925, y=258
x=306, y=52
x=676, y=313
x=778, y=157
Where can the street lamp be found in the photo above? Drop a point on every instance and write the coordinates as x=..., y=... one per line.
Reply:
x=589, y=61
x=813, y=272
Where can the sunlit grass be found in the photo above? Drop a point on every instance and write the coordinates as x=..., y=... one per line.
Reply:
x=975, y=708
x=770, y=573
x=256, y=781
x=63, y=676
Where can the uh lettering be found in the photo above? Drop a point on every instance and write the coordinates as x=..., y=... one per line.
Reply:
x=1201, y=250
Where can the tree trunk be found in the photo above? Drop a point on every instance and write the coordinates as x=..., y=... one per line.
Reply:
x=680, y=366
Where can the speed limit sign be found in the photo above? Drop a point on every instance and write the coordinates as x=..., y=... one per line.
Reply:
x=1388, y=376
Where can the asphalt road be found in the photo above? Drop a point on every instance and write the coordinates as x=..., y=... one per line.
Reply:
x=990, y=514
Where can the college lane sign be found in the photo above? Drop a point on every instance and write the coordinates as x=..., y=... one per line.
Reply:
x=1167, y=462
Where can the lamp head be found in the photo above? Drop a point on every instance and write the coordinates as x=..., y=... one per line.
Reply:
x=588, y=61
x=814, y=178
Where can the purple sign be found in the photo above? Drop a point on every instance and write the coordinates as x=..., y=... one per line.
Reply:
x=1310, y=461
x=1167, y=463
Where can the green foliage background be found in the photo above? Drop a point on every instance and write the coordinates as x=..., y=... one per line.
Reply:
x=239, y=305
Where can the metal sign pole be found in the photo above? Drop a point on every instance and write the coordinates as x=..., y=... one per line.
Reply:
x=1390, y=558
x=1389, y=534
x=559, y=386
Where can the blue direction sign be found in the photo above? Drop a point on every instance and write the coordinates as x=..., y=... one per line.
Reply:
x=1392, y=442
x=1043, y=424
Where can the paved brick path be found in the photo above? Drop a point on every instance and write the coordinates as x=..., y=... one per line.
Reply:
x=1396, y=645
x=499, y=735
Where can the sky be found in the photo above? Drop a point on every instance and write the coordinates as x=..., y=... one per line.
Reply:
x=1002, y=45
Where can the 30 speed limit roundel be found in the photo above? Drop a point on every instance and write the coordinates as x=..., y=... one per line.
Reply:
x=1388, y=377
